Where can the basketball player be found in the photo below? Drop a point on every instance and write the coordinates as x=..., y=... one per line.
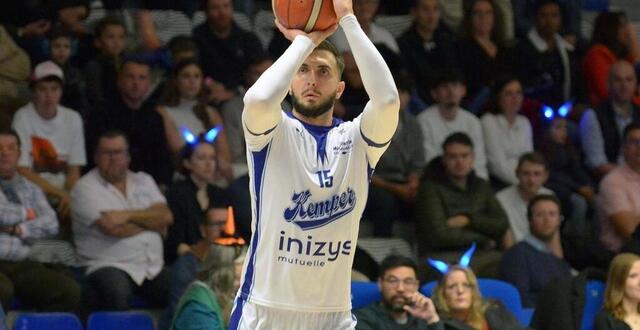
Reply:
x=309, y=179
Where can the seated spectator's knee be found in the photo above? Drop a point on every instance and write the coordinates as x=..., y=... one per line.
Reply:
x=6, y=291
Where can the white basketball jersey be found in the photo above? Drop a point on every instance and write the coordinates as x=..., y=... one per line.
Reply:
x=309, y=187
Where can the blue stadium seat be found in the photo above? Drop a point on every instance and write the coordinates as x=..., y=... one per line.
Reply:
x=594, y=298
x=595, y=5
x=119, y=320
x=499, y=290
x=47, y=321
x=364, y=293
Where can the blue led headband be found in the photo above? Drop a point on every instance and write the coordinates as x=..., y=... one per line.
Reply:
x=443, y=267
x=209, y=136
x=562, y=111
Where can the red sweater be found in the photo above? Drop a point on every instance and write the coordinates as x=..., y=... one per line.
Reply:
x=595, y=68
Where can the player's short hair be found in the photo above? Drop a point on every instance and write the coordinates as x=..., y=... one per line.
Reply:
x=328, y=46
x=395, y=261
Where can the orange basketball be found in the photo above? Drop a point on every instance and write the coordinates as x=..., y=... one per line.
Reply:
x=306, y=15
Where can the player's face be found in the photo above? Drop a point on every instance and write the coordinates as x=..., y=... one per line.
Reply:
x=189, y=81
x=545, y=220
x=396, y=286
x=316, y=86
x=458, y=291
x=202, y=163
x=9, y=155
x=458, y=160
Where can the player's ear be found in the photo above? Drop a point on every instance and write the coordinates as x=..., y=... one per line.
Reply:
x=340, y=89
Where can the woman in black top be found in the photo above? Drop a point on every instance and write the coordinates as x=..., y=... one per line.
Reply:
x=480, y=52
x=190, y=198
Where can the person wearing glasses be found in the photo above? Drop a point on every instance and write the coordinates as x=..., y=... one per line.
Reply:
x=402, y=305
x=619, y=198
x=118, y=218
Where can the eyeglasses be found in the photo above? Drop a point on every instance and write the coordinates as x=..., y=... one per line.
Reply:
x=407, y=282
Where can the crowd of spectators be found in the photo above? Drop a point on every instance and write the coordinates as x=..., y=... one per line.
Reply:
x=121, y=141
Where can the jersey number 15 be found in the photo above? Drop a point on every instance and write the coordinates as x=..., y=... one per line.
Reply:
x=325, y=180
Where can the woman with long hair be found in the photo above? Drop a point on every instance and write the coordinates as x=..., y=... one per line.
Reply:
x=507, y=134
x=185, y=106
x=207, y=302
x=621, y=308
x=191, y=197
x=461, y=307
x=614, y=38
x=480, y=50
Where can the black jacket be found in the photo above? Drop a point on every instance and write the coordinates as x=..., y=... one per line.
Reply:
x=609, y=129
x=561, y=304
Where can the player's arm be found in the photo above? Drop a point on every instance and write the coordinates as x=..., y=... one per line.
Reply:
x=380, y=115
x=262, y=101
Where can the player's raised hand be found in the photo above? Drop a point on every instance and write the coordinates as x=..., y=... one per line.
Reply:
x=422, y=308
x=343, y=7
x=316, y=36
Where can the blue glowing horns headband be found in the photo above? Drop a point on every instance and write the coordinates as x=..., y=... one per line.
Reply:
x=443, y=267
x=562, y=111
x=209, y=136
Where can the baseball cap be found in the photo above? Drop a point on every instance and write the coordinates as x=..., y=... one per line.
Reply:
x=45, y=70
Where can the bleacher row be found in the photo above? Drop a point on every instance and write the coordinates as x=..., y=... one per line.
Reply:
x=362, y=294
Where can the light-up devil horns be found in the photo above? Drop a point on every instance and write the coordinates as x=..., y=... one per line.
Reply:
x=562, y=111
x=443, y=267
x=209, y=136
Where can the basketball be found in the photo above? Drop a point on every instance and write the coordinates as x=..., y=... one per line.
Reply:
x=306, y=15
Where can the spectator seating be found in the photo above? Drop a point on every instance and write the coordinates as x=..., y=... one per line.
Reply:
x=594, y=297
x=496, y=289
x=379, y=248
x=119, y=320
x=47, y=321
x=364, y=293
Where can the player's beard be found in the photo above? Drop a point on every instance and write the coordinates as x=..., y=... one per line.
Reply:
x=313, y=111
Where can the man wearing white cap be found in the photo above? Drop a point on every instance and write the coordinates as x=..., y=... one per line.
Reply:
x=52, y=136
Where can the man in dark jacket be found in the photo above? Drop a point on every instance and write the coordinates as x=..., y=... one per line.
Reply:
x=455, y=208
x=538, y=259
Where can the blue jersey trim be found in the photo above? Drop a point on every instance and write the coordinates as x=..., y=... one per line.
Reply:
x=319, y=133
x=259, y=162
x=236, y=313
x=371, y=143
